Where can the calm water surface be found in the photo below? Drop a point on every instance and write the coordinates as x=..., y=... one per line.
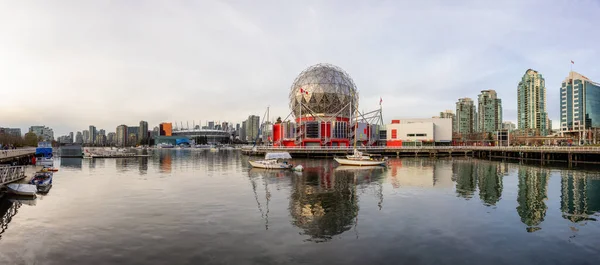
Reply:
x=198, y=207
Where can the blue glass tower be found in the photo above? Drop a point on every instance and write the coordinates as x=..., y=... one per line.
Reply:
x=579, y=106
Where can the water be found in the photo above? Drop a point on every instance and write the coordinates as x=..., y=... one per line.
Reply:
x=198, y=207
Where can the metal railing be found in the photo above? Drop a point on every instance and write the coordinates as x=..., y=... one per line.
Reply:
x=16, y=152
x=11, y=174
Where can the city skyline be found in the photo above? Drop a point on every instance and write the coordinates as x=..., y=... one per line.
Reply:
x=389, y=57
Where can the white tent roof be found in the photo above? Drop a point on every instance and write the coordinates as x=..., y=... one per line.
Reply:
x=278, y=155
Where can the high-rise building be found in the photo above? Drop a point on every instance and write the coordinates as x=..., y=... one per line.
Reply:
x=79, y=138
x=121, y=135
x=166, y=129
x=224, y=126
x=531, y=104
x=110, y=138
x=132, y=135
x=101, y=137
x=243, y=132
x=46, y=133
x=71, y=137
x=86, y=136
x=489, y=112
x=252, y=128
x=466, y=116
x=143, y=131
x=508, y=125
x=449, y=114
x=93, y=133
x=156, y=131
x=579, y=106
x=211, y=125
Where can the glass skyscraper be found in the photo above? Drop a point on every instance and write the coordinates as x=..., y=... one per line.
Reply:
x=489, y=112
x=531, y=104
x=579, y=105
x=466, y=116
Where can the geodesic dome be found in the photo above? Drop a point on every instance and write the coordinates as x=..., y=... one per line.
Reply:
x=324, y=90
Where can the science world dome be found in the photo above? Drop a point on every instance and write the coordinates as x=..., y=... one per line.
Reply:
x=324, y=90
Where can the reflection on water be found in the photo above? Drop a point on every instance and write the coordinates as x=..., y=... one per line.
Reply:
x=533, y=186
x=323, y=202
x=194, y=206
x=71, y=162
x=580, y=196
x=465, y=178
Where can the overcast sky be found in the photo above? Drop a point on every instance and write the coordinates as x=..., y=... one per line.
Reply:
x=69, y=64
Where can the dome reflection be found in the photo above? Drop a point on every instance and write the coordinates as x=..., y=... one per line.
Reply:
x=324, y=201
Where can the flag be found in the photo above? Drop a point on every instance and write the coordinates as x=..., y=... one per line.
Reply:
x=380, y=100
x=572, y=62
x=303, y=91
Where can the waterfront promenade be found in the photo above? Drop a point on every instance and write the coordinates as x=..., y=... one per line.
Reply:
x=544, y=154
x=16, y=155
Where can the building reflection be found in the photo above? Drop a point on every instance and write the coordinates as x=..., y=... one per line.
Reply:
x=489, y=180
x=580, y=196
x=143, y=165
x=463, y=173
x=411, y=172
x=533, y=187
x=473, y=175
x=164, y=162
x=324, y=203
x=71, y=162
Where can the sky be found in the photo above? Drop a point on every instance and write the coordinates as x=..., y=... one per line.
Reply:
x=70, y=64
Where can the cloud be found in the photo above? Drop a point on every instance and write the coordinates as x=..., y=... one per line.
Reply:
x=68, y=64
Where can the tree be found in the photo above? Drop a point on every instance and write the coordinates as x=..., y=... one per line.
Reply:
x=278, y=120
x=31, y=139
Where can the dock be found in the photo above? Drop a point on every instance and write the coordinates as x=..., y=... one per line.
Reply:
x=544, y=154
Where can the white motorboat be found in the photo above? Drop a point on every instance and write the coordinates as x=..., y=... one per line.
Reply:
x=22, y=189
x=273, y=161
x=358, y=159
x=164, y=145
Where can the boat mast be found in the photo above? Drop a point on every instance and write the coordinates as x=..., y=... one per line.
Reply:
x=355, y=120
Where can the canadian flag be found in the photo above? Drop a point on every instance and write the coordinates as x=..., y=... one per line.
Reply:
x=303, y=91
x=572, y=62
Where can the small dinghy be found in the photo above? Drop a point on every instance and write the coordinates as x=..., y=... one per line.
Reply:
x=22, y=189
x=42, y=180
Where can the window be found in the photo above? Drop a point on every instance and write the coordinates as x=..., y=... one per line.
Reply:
x=410, y=135
x=421, y=134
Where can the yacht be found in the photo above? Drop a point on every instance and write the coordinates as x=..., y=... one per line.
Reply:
x=273, y=161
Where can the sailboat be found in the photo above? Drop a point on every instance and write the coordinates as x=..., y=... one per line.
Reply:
x=358, y=158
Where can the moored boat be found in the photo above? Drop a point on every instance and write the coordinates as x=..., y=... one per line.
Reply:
x=42, y=179
x=22, y=189
x=273, y=161
x=43, y=154
x=359, y=159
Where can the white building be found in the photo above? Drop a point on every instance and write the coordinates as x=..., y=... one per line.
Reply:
x=437, y=130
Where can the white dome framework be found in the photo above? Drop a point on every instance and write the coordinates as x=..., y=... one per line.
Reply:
x=323, y=90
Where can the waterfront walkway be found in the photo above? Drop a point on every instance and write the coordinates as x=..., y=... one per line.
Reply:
x=7, y=156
